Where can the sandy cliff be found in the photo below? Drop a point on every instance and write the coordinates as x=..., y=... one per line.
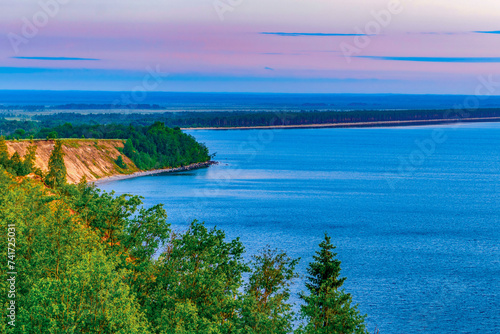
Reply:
x=93, y=159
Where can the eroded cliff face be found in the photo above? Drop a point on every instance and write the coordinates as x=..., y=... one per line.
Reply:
x=93, y=159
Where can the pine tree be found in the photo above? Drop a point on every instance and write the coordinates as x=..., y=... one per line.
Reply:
x=57, y=169
x=328, y=308
x=29, y=161
x=16, y=164
x=4, y=153
x=325, y=268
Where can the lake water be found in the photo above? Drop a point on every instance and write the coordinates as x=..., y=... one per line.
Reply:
x=414, y=213
x=182, y=101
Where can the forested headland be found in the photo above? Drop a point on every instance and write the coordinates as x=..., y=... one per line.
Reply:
x=87, y=261
x=148, y=147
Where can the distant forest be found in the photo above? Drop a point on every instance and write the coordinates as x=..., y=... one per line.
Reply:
x=40, y=123
x=154, y=140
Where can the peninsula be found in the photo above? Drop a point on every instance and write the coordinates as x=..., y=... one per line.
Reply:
x=124, y=151
x=92, y=159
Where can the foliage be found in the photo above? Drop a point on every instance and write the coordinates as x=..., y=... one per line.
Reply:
x=197, y=281
x=94, y=262
x=158, y=146
x=115, y=125
x=57, y=169
x=95, y=122
x=68, y=284
x=4, y=153
x=52, y=135
x=325, y=269
x=120, y=163
x=149, y=147
x=265, y=307
x=29, y=161
x=329, y=309
x=15, y=164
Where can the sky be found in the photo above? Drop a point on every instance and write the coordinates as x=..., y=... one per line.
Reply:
x=288, y=46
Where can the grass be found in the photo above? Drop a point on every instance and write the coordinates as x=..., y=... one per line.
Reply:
x=71, y=143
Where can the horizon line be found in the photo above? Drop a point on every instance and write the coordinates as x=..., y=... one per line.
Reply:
x=218, y=92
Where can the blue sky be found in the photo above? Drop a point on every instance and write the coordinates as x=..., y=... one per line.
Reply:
x=287, y=46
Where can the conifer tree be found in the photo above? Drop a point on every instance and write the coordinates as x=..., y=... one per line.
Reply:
x=16, y=164
x=325, y=268
x=4, y=153
x=328, y=308
x=28, y=165
x=57, y=169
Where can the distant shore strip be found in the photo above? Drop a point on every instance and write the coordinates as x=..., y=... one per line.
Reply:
x=199, y=165
x=359, y=124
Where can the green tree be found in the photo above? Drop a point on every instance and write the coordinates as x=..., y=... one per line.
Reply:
x=90, y=297
x=120, y=163
x=196, y=283
x=265, y=303
x=28, y=165
x=327, y=308
x=16, y=164
x=4, y=153
x=325, y=268
x=69, y=284
x=57, y=169
x=52, y=135
x=90, y=265
x=19, y=133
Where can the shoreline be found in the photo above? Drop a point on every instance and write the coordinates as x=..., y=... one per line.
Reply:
x=358, y=124
x=118, y=177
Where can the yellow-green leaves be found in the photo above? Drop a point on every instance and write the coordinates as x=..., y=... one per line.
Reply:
x=57, y=169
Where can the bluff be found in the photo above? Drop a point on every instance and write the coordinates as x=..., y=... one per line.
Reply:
x=94, y=159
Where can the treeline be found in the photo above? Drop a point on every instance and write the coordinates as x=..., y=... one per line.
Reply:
x=82, y=106
x=246, y=119
x=320, y=117
x=93, y=125
x=149, y=147
x=86, y=263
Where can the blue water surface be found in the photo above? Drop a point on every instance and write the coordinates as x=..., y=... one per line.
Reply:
x=414, y=213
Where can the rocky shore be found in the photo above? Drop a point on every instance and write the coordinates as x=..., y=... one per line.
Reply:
x=199, y=165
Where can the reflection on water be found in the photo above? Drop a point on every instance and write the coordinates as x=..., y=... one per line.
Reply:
x=421, y=256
